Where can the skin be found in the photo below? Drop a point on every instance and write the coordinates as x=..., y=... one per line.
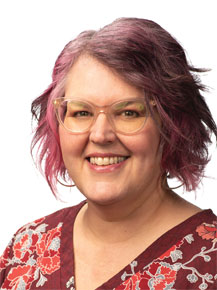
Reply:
x=124, y=207
x=91, y=81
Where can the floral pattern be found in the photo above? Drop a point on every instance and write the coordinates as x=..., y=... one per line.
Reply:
x=4, y=258
x=161, y=275
x=208, y=231
x=36, y=253
x=32, y=258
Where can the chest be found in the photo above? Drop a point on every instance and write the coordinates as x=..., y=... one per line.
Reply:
x=96, y=264
x=93, y=267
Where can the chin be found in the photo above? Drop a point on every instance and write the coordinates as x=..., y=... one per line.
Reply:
x=103, y=195
x=104, y=199
x=102, y=202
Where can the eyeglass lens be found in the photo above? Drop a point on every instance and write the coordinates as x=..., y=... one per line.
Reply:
x=124, y=116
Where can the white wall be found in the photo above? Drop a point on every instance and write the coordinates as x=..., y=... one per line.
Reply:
x=32, y=35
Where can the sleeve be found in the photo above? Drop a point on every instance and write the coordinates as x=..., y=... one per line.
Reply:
x=5, y=263
x=16, y=264
x=32, y=256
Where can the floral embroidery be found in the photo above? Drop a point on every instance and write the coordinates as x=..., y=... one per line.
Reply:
x=157, y=276
x=172, y=252
x=4, y=258
x=207, y=231
x=131, y=283
x=35, y=253
x=48, y=251
x=161, y=275
x=20, y=277
x=70, y=283
x=132, y=265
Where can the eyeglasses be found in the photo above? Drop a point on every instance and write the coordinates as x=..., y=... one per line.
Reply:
x=77, y=116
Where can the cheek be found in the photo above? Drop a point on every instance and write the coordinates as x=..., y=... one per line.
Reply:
x=146, y=144
x=71, y=145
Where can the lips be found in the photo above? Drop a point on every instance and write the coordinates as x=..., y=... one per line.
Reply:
x=100, y=164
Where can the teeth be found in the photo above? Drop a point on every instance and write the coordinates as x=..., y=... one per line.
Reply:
x=106, y=160
x=92, y=160
x=112, y=160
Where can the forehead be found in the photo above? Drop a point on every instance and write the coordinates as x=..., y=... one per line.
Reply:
x=92, y=81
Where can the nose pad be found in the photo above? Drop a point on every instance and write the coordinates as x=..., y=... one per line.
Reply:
x=102, y=131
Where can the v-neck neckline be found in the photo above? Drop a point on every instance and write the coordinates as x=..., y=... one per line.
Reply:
x=152, y=252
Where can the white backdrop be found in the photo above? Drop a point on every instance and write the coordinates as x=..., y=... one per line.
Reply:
x=32, y=35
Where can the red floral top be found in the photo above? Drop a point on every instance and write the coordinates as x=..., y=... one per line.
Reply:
x=40, y=256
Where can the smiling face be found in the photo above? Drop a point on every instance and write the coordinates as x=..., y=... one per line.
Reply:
x=107, y=166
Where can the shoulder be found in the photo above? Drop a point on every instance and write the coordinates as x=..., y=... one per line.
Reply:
x=185, y=257
x=46, y=224
x=35, y=247
x=53, y=219
x=196, y=256
x=191, y=262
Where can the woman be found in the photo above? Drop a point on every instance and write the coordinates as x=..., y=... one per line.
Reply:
x=124, y=112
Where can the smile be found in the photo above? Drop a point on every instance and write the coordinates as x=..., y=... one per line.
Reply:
x=106, y=160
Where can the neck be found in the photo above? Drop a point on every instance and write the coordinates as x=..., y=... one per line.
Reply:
x=123, y=220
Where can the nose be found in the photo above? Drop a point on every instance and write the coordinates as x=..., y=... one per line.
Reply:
x=101, y=131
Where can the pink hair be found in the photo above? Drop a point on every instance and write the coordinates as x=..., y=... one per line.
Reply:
x=148, y=57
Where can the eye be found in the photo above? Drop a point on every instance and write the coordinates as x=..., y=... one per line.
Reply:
x=130, y=114
x=81, y=114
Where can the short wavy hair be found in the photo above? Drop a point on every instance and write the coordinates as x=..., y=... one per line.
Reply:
x=148, y=57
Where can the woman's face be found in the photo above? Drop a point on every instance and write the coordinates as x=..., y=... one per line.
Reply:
x=128, y=180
